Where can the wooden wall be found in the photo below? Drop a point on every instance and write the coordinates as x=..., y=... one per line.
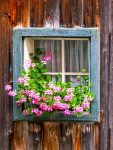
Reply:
x=55, y=13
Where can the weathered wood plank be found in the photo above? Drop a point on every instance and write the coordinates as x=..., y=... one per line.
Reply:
x=96, y=13
x=65, y=13
x=35, y=136
x=37, y=13
x=77, y=13
x=104, y=79
x=5, y=102
x=70, y=136
x=77, y=140
x=51, y=136
x=88, y=137
x=88, y=13
x=97, y=136
x=111, y=76
x=25, y=13
x=51, y=13
x=20, y=138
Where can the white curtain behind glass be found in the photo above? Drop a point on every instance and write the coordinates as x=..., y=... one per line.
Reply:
x=53, y=48
x=75, y=55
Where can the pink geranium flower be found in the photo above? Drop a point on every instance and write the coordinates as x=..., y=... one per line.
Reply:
x=44, y=106
x=8, y=87
x=79, y=109
x=57, y=89
x=37, y=112
x=68, y=97
x=85, y=104
x=57, y=98
x=12, y=93
x=48, y=92
x=67, y=112
x=27, y=64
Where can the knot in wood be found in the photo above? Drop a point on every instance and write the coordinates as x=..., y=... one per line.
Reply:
x=36, y=140
x=10, y=132
x=63, y=139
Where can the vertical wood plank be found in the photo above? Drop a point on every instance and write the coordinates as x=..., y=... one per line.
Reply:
x=35, y=136
x=25, y=13
x=77, y=12
x=96, y=13
x=65, y=13
x=51, y=136
x=51, y=13
x=20, y=138
x=5, y=102
x=97, y=136
x=88, y=13
x=111, y=75
x=88, y=137
x=70, y=136
x=27, y=136
x=104, y=70
x=37, y=13
x=13, y=12
x=19, y=12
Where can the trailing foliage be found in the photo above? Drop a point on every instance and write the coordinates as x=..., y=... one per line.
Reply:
x=40, y=95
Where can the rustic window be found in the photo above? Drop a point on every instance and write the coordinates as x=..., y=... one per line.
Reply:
x=72, y=50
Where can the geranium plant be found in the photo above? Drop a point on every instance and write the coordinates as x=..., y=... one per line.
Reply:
x=40, y=95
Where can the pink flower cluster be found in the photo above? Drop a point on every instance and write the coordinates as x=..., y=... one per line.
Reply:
x=48, y=92
x=33, y=95
x=8, y=87
x=37, y=112
x=12, y=93
x=47, y=58
x=57, y=98
x=55, y=88
x=23, y=80
x=45, y=107
x=85, y=104
x=61, y=106
x=28, y=64
x=21, y=101
x=68, y=97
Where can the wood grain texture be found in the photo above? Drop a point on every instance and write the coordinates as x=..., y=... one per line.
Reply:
x=77, y=13
x=65, y=13
x=35, y=136
x=27, y=136
x=5, y=102
x=104, y=53
x=88, y=13
x=51, y=13
x=51, y=136
x=111, y=75
x=37, y=13
x=88, y=137
x=70, y=136
x=26, y=13
x=96, y=13
x=97, y=136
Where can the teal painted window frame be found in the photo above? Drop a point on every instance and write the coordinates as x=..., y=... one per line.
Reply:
x=93, y=34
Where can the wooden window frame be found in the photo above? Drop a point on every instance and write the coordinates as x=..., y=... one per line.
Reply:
x=93, y=34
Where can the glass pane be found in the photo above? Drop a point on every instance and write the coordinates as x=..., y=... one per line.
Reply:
x=52, y=49
x=77, y=79
x=76, y=55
